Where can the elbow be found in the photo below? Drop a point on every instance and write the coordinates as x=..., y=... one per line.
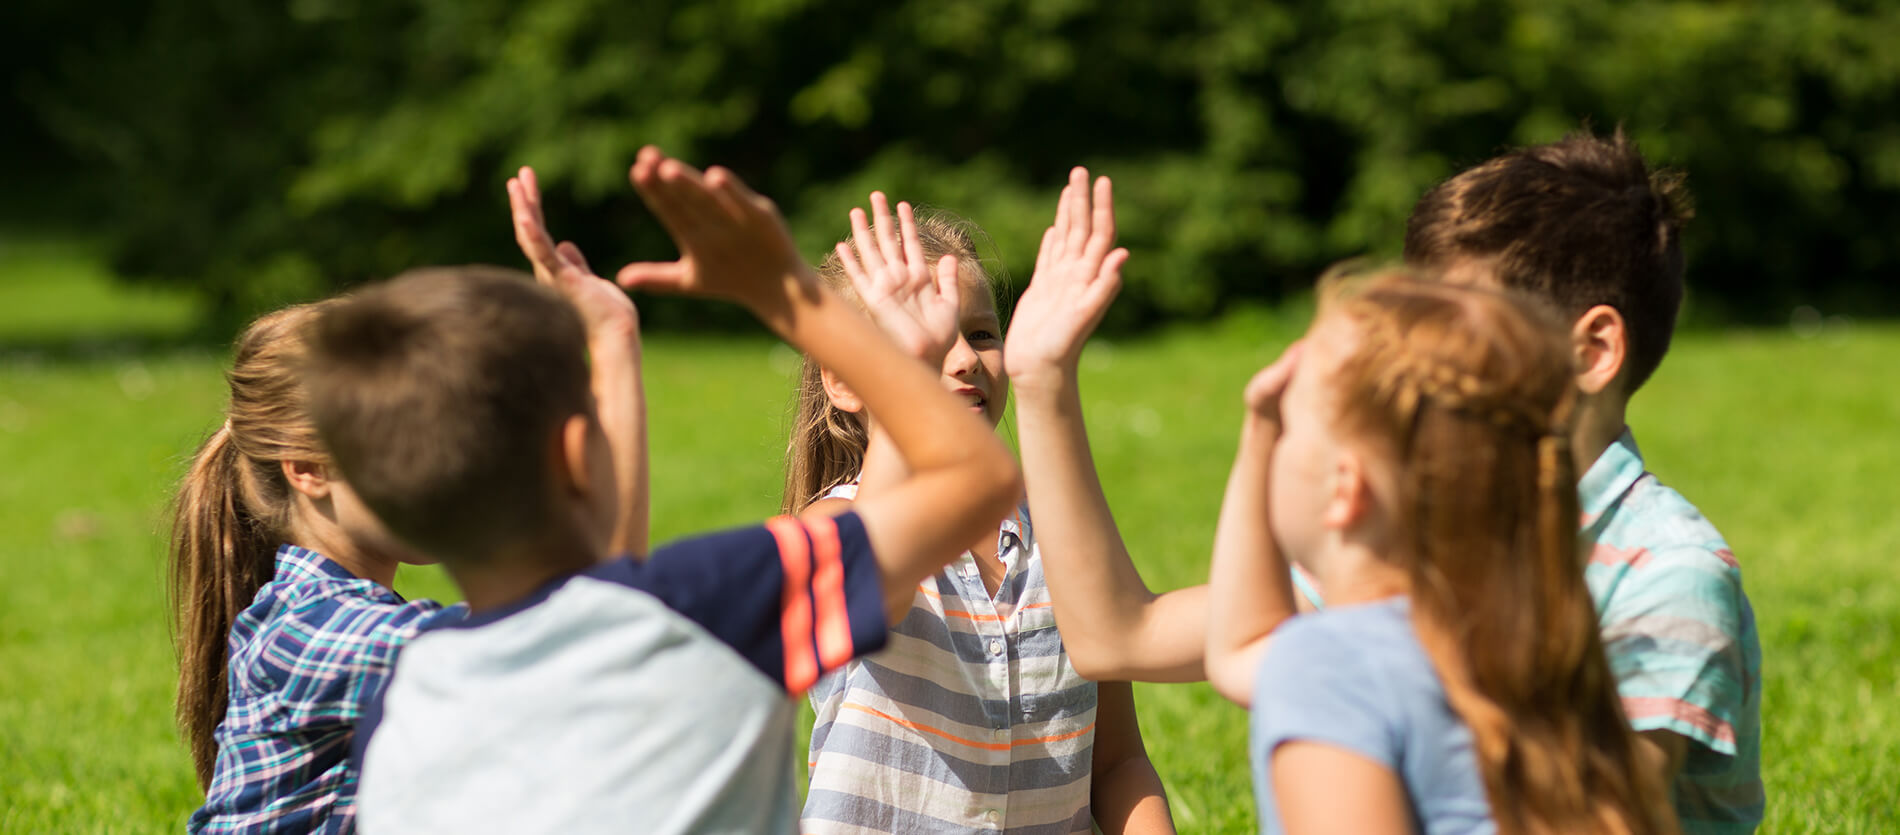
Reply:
x=1092, y=663
x=1225, y=675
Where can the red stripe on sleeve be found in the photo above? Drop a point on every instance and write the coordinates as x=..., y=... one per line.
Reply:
x=794, y=552
x=827, y=587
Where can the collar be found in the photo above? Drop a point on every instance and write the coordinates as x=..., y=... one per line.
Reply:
x=1610, y=478
x=296, y=564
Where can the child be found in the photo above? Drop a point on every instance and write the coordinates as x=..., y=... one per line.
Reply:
x=1585, y=225
x=277, y=564
x=583, y=695
x=972, y=717
x=1411, y=454
x=278, y=567
x=314, y=629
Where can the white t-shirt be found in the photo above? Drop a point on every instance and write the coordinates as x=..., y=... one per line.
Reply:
x=650, y=697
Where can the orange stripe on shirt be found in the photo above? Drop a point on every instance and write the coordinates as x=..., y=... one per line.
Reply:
x=794, y=553
x=985, y=746
x=827, y=588
x=1650, y=707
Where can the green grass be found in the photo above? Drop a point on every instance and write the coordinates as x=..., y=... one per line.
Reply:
x=1789, y=445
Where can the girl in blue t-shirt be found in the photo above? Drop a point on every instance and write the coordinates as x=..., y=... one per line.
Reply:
x=1410, y=453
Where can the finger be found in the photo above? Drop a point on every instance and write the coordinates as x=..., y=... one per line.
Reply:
x=1078, y=232
x=571, y=255
x=862, y=241
x=659, y=196
x=530, y=235
x=1059, y=230
x=656, y=276
x=698, y=208
x=1102, y=222
x=887, y=246
x=948, y=285
x=1045, y=254
x=853, y=271
x=913, y=246
x=531, y=186
x=719, y=181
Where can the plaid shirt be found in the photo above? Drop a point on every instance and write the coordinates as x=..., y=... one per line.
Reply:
x=313, y=646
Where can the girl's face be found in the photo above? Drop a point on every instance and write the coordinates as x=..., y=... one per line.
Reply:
x=1307, y=459
x=973, y=369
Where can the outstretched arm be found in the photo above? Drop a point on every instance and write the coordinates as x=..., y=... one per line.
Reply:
x=1112, y=625
x=1252, y=586
x=734, y=245
x=613, y=345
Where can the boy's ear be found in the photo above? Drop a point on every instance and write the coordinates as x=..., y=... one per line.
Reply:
x=307, y=477
x=840, y=394
x=1601, y=343
x=574, y=454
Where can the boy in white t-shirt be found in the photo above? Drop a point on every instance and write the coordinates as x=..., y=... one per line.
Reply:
x=586, y=694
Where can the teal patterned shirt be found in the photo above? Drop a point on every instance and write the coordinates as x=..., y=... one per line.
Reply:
x=1679, y=633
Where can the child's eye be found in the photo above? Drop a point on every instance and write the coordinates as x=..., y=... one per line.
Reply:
x=981, y=335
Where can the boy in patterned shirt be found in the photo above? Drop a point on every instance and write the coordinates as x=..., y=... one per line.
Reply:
x=1585, y=224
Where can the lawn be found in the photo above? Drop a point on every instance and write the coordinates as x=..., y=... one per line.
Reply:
x=1791, y=444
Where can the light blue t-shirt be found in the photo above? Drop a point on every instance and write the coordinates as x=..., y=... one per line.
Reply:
x=1356, y=677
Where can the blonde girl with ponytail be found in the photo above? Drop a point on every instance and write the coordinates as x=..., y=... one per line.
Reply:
x=1411, y=454
x=280, y=577
x=284, y=616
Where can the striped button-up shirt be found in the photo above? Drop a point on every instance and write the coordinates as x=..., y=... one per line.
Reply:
x=1680, y=635
x=314, y=644
x=971, y=718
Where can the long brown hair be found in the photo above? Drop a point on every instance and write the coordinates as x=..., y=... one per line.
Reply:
x=1469, y=393
x=231, y=513
x=827, y=444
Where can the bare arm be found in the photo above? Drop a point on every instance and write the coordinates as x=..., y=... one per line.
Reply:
x=734, y=245
x=1664, y=752
x=613, y=346
x=1125, y=793
x=1113, y=626
x=1253, y=588
x=1321, y=789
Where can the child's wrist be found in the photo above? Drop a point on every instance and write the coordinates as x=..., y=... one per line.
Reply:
x=1050, y=378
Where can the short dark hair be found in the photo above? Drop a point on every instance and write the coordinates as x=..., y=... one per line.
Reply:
x=1579, y=222
x=437, y=393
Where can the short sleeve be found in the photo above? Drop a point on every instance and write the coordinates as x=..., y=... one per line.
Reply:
x=1677, y=635
x=796, y=597
x=1314, y=686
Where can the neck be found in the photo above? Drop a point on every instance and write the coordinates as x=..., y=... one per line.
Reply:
x=320, y=533
x=508, y=574
x=1600, y=419
x=1352, y=573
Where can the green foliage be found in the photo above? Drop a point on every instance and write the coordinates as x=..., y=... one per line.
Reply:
x=270, y=150
x=1801, y=476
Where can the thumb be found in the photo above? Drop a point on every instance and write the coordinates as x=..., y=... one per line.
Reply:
x=657, y=276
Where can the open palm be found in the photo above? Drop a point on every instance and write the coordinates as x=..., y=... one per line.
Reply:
x=1078, y=273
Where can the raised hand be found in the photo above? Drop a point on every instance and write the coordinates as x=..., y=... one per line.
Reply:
x=1078, y=273
x=893, y=277
x=733, y=242
x=1268, y=386
x=603, y=307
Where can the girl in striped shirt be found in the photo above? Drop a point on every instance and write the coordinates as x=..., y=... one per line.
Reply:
x=973, y=717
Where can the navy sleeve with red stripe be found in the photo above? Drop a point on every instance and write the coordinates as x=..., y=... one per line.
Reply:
x=797, y=598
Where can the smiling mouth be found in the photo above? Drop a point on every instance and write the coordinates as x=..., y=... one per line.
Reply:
x=976, y=399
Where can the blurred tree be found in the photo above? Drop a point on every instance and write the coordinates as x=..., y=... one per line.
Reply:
x=266, y=151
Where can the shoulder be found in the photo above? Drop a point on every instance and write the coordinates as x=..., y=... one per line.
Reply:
x=1343, y=677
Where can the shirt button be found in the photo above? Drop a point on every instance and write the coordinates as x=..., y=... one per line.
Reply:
x=993, y=816
x=996, y=646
